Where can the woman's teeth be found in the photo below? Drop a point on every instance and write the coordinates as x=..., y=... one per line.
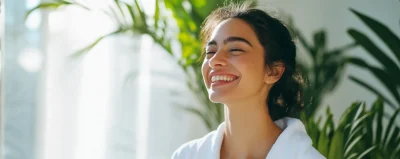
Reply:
x=221, y=78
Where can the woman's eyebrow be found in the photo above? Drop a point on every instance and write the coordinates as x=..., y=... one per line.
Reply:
x=213, y=42
x=235, y=38
x=230, y=39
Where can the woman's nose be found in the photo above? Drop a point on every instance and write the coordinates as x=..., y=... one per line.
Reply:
x=219, y=59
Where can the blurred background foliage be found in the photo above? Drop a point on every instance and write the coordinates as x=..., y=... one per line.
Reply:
x=360, y=133
x=323, y=72
x=389, y=72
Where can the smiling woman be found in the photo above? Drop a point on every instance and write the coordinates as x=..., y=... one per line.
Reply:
x=249, y=66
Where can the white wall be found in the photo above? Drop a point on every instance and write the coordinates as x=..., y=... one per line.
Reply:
x=335, y=17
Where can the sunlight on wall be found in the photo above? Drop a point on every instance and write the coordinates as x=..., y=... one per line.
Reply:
x=92, y=108
x=91, y=115
x=30, y=59
x=55, y=21
x=77, y=129
x=143, y=103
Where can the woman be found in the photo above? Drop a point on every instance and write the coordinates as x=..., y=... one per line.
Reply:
x=249, y=66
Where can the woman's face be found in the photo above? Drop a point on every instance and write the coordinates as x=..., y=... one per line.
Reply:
x=233, y=68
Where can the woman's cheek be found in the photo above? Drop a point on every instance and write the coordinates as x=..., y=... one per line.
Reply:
x=251, y=68
x=204, y=69
x=242, y=63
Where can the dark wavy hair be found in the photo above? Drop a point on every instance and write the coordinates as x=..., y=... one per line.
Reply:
x=285, y=97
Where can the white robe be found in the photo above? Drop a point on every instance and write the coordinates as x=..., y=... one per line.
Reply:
x=292, y=143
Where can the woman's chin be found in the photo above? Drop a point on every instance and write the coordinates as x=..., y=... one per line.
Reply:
x=218, y=97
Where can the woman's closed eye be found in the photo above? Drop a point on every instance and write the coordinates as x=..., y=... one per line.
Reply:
x=209, y=53
x=211, y=50
x=236, y=51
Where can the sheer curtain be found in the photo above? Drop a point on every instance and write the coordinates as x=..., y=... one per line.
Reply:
x=116, y=102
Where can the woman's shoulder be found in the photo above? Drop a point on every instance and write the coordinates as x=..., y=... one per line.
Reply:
x=204, y=147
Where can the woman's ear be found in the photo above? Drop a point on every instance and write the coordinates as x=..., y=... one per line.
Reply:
x=274, y=72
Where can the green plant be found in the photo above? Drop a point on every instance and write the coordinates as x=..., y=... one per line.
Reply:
x=131, y=17
x=359, y=133
x=325, y=69
x=323, y=73
x=389, y=72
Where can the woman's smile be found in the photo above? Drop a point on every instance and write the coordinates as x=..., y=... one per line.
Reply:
x=219, y=79
x=222, y=81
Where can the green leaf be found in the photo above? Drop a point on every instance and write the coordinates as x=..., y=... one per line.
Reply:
x=358, y=121
x=374, y=51
x=87, y=48
x=320, y=41
x=352, y=144
x=203, y=8
x=139, y=24
x=349, y=114
x=182, y=17
x=373, y=90
x=378, y=107
x=93, y=44
x=396, y=148
x=353, y=155
x=312, y=127
x=370, y=132
x=141, y=13
x=131, y=12
x=157, y=14
x=366, y=152
x=48, y=5
x=324, y=140
x=389, y=129
x=117, y=2
x=393, y=141
x=385, y=78
x=352, y=135
x=337, y=53
x=357, y=127
x=336, y=147
x=382, y=31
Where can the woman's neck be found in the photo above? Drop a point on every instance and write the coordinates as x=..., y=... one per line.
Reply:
x=249, y=131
